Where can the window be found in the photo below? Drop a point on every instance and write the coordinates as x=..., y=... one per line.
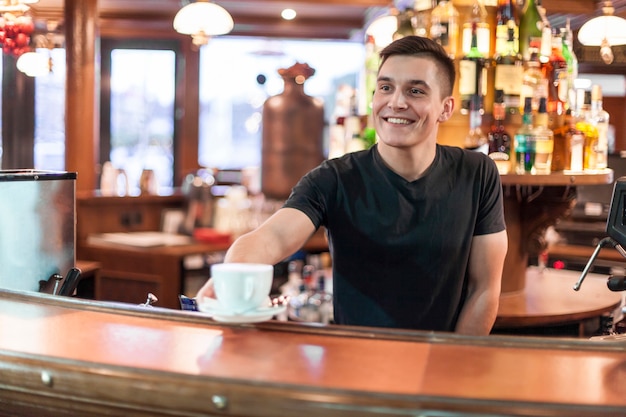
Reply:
x=238, y=74
x=138, y=110
x=49, y=152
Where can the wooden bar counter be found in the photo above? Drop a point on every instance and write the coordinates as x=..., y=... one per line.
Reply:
x=70, y=357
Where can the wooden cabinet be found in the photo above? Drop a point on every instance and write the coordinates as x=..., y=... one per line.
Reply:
x=129, y=273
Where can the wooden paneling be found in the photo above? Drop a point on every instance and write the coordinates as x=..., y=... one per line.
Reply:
x=98, y=214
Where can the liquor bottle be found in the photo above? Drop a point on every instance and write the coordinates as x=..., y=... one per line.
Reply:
x=530, y=27
x=534, y=83
x=575, y=144
x=499, y=138
x=473, y=76
x=405, y=24
x=475, y=139
x=555, y=72
x=599, y=118
x=572, y=62
x=524, y=157
x=478, y=15
x=422, y=9
x=509, y=69
x=444, y=26
x=546, y=33
x=544, y=140
x=581, y=115
x=506, y=19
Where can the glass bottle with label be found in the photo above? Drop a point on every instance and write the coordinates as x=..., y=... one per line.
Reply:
x=555, y=72
x=476, y=140
x=572, y=63
x=421, y=21
x=524, y=144
x=405, y=24
x=473, y=76
x=576, y=142
x=534, y=83
x=531, y=26
x=499, y=138
x=478, y=15
x=506, y=19
x=546, y=32
x=599, y=118
x=581, y=115
x=509, y=66
x=544, y=140
x=444, y=26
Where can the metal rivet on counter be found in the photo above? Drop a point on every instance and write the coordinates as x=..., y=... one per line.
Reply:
x=219, y=401
x=46, y=378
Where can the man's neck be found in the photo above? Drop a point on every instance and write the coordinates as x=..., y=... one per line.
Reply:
x=409, y=163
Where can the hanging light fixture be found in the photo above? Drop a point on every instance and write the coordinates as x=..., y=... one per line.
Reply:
x=383, y=27
x=34, y=64
x=202, y=20
x=38, y=61
x=604, y=31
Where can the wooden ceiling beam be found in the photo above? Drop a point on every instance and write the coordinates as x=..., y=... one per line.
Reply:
x=587, y=7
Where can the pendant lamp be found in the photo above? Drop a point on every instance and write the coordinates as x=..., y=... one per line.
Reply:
x=202, y=20
x=604, y=31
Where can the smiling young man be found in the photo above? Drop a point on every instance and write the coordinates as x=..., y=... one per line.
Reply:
x=416, y=230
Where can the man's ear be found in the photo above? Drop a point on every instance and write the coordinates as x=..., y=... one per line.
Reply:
x=448, y=108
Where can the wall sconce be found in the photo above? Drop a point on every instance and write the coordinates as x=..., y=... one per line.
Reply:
x=604, y=31
x=202, y=20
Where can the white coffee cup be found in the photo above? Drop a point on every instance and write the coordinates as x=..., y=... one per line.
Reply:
x=241, y=287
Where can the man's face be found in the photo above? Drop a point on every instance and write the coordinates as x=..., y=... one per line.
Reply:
x=407, y=103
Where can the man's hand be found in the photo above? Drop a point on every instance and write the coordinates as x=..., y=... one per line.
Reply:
x=207, y=290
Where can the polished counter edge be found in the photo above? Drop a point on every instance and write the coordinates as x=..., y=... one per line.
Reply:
x=181, y=316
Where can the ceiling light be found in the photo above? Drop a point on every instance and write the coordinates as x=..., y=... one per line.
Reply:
x=382, y=29
x=604, y=31
x=288, y=14
x=202, y=20
x=38, y=61
x=34, y=64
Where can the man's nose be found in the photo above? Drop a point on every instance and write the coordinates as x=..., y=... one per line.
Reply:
x=397, y=100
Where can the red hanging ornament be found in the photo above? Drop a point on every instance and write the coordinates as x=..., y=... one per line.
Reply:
x=15, y=33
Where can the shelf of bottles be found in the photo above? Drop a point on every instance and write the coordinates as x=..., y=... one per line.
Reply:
x=515, y=93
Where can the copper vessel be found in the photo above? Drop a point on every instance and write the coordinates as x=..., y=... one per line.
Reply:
x=293, y=126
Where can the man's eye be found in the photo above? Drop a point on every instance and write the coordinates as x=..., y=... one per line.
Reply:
x=384, y=88
x=416, y=91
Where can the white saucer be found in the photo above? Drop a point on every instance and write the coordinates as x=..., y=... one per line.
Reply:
x=257, y=315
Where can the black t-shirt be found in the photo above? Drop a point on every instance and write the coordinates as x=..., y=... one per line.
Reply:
x=400, y=249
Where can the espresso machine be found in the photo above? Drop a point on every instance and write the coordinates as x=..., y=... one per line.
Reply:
x=616, y=231
x=38, y=231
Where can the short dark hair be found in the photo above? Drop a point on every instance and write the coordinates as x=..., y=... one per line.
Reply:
x=420, y=46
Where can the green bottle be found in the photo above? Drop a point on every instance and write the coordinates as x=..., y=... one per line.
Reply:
x=531, y=26
x=473, y=75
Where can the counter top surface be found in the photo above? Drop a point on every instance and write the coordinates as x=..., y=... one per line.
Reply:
x=276, y=353
x=549, y=298
x=604, y=176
